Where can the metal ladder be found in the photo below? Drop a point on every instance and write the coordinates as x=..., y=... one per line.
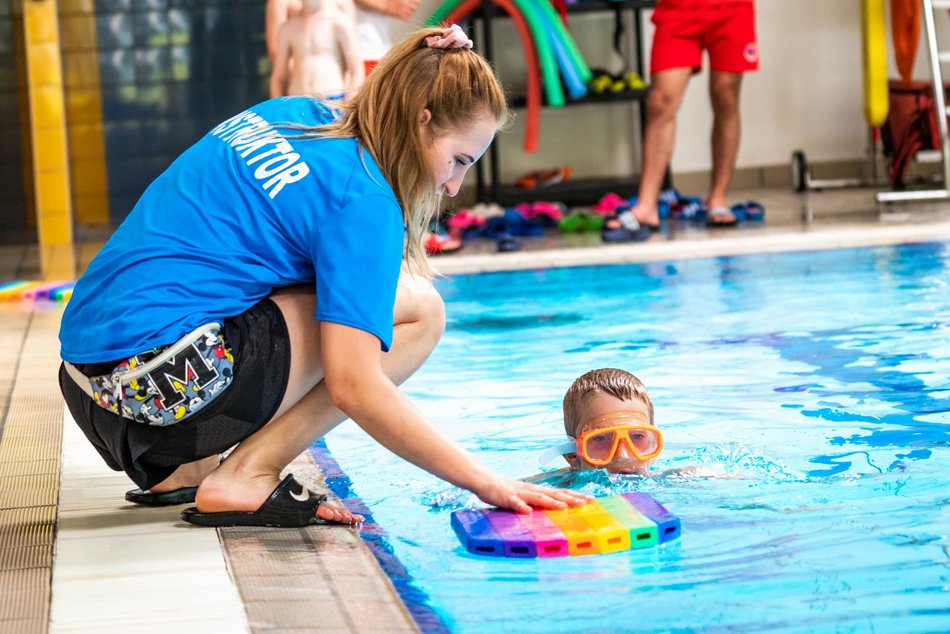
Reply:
x=937, y=57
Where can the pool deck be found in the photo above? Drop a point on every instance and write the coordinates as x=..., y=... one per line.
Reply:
x=75, y=557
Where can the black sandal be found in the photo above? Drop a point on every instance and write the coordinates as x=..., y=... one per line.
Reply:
x=616, y=230
x=184, y=495
x=290, y=505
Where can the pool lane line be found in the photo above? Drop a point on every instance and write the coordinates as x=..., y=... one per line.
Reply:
x=377, y=540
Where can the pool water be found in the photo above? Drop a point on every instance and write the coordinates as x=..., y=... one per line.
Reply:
x=815, y=385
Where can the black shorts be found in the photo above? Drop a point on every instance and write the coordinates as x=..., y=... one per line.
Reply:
x=149, y=454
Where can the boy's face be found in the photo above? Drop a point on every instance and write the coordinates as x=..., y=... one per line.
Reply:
x=592, y=417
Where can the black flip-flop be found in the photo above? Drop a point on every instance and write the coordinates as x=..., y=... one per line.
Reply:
x=613, y=222
x=622, y=234
x=184, y=495
x=719, y=217
x=629, y=231
x=290, y=505
x=507, y=243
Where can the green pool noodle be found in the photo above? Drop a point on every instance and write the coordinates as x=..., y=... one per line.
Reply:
x=439, y=15
x=549, y=72
x=583, y=70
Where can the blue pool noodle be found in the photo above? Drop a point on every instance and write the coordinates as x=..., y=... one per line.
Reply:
x=570, y=73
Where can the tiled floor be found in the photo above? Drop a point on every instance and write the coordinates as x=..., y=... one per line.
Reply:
x=75, y=557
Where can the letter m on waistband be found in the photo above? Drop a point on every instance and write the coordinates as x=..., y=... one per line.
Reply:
x=187, y=366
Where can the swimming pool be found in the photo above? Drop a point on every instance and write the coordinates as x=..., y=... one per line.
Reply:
x=819, y=380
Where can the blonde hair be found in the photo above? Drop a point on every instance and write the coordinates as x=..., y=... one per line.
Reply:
x=456, y=85
x=617, y=383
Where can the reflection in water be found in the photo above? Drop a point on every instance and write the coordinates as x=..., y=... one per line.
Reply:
x=516, y=322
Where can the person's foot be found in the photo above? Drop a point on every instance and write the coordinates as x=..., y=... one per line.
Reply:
x=627, y=230
x=187, y=475
x=720, y=217
x=223, y=491
x=648, y=217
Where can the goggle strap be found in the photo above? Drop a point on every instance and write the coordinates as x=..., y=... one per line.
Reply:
x=568, y=446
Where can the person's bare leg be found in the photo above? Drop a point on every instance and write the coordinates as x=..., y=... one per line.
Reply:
x=252, y=470
x=666, y=95
x=724, y=95
x=187, y=475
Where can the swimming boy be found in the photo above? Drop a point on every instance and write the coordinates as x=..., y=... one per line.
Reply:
x=608, y=415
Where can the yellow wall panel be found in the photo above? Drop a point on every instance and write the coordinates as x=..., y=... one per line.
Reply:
x=78, y=29
x=87, y=153
x=80, y=67
x=52, y=193
x=55, y=229
x=46, y=106
x=49, y=146
x=84, y=105
x=85, y=142
x=77, y=6
x=88, y=179
x=89, y=205
x=48, y=136
x=45, y=68
x=39, y=22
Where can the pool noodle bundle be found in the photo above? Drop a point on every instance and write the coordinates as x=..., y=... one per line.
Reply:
x=608, y=524
x=35, y=291
x=548, y=48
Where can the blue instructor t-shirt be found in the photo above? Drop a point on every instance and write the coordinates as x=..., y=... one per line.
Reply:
x=251, y=207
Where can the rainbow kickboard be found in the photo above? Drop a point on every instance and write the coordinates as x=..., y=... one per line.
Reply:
x=667, y=524
x=35, y=291
x=608, y=524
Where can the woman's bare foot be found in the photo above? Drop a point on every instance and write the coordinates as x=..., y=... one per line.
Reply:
x=187, y=475
x=226, y=490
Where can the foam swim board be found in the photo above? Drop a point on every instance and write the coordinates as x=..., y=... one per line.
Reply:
x=608, y=524
x=22, y=290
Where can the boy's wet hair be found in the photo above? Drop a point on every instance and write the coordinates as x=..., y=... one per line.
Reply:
x=617, y=383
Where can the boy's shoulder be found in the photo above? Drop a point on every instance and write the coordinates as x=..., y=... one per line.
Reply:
x=560, y=478
x=566, y=477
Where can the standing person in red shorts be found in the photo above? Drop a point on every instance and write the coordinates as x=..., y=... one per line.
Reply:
x=684, y=29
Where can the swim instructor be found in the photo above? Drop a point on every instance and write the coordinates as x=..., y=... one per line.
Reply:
x=271, y=283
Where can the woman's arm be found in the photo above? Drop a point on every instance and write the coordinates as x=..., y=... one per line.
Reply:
x=358, y=386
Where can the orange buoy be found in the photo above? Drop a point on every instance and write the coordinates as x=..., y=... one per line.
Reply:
x=905, y=31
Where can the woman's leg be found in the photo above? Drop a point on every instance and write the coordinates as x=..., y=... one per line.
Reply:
x=252, y=470
x=187, y=475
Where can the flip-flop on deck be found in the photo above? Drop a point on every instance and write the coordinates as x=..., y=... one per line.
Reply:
x=291, y=505
x=721, y=217
x=184, y=495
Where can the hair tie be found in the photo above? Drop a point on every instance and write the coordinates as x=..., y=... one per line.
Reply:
x=452, y=37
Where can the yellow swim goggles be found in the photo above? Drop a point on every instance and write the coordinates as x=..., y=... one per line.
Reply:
x=599, y=446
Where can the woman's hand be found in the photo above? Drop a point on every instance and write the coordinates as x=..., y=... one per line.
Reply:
x=522, y=497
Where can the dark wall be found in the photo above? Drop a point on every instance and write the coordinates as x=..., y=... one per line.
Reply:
x=170, y=70
x=14, y=131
